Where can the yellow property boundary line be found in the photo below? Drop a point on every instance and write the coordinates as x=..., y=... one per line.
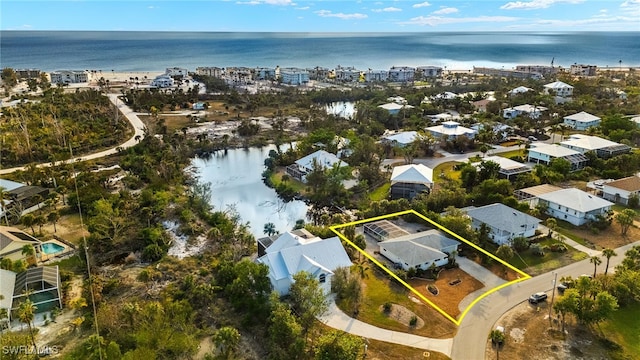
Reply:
x=524, y=276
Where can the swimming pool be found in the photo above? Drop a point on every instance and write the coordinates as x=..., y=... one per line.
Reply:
x=51, y=248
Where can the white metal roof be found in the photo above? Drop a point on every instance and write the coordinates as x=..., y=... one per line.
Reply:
x=582, y=117
x=575, y=199
x=558, y=85
x=520, y=89
x=323, y=158
x=412, y=174
x=7, y=284
x=449, y=128
x=588, y=142
x=406, y=137
x=506, y=164
x=553, y=150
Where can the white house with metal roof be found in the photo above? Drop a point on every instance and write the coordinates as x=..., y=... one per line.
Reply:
x=290, y=254
x=450, y=129
x=504, y=223
x=602, y=147
x=419, y=250
x=574, y=206
x=401, y=139
x=520, y=90
x=543, y=153
x=531, y=111
x=305, y=165
x=581, y=121
x=559, y=88
x=408, y=181
x=394, y=108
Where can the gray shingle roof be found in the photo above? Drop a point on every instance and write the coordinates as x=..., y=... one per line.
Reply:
x=502, y=217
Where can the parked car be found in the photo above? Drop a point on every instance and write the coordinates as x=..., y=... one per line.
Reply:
x=537, y=298
x=562, y=287
x=532, y=138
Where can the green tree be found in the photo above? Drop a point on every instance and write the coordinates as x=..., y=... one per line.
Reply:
x=608, y=254
x=29, y=253
x=634, y=201
x=227, y=339
x=247, y=286
x=504, y=252
x=560, y=166
x=595, y=260
x=285, y=333
x=53, y=218
x=29, y=220
x=9, y=77
x=625, y=219
x=552, y=225
x=337, y=345
x=26, y=313
x=4, y=196
x=566, y=304
x=497, y=339
x=270, y=229
x=308, y=299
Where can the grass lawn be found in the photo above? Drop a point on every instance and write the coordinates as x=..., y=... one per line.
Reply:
x=380, y=193
x=384, y=350
x=534, y=264
x=448, y=170
x=378, y=290
x=622, y=328
x=297, y=186
x=509, y=154
x=608, y=238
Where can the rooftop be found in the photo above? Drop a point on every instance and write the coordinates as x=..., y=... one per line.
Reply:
x=405, y=137
x=506, y=165
x=582, y=117
x=420, y=247
x=553, y=150
x=558, y=85
x=322, y=158
x=588, y=142
x=450, y=128
x=631, y=183
x=412, y=174
x=503, y=217
x=575, y=199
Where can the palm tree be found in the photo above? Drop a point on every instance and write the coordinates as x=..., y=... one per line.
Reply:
x=608, y=253
x=53, y=218
x=29, y=220
x=270, y=229
x=28, y=251
x=595, y=260
x=26, y=313
x=497, y=338
x=4, y=195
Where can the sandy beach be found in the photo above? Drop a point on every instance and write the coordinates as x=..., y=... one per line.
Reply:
x=119, y=77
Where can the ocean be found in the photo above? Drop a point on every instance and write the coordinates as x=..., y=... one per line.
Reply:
x=155, y=51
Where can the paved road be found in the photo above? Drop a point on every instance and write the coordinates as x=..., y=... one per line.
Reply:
x=471, y=339
x=336, y=319
x=133, y=119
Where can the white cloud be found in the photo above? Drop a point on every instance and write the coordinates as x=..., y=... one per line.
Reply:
x=424, y=4
x=445, y=10
x=343, y=16
x=631, y=7
x=387, y=9
x=303, y=8
x=437, y=20
x=535, y=4
x=590, y=21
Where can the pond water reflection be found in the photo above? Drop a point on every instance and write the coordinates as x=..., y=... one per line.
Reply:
x=236, y=182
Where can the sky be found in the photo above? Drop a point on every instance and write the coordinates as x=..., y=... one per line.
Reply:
x=322, y=15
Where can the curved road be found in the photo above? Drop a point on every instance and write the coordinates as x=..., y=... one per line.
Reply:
x=133, y=119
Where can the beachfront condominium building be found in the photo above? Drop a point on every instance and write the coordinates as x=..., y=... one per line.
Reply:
x=294, y=76
x=376, y=75
x=516, y=74
x=69, y=76
x=583, y=70
x=238, y=75
x=177, y=72
x=264, y=73
x=318, y=73
x=210, y=71
x=402, y=73
x=537, y=69
x=23, y=74
x=347, y=74
x=428, y=71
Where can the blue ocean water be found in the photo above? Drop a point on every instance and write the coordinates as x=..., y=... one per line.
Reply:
x=155, y=51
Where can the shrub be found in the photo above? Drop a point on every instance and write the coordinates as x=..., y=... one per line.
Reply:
x=536, y=249
x=413, y=321
x=386, y=307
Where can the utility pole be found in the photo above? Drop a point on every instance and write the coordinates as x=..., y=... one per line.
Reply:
x=553, y=293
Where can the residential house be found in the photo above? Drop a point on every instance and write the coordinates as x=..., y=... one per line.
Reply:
x=394, y=108
x=509, y=169
x=290, y=254
x=581, y=121
x=21, y=199
x=545, y=153
x=622, y=189
x=602, y=147
x=198, y=105
x=559, y=89
x=583, y=70
x=70, y=76
x=409, y=181
x=177, y=72
x=401, y=139
x=12, y=240
x=451, y=130
x=447, y=95
x=23, y=74
x=531, y=111
x=305, y=165
x=162, y=81
x=481, y=105
x=401, y=73
x=530, y=194
x=419, y=250
x=574, y=206
x=504, y=223
x=519, y=90
x=294, y=76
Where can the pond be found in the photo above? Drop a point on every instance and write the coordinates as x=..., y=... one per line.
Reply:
x=344, y=109
x=236, y=182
